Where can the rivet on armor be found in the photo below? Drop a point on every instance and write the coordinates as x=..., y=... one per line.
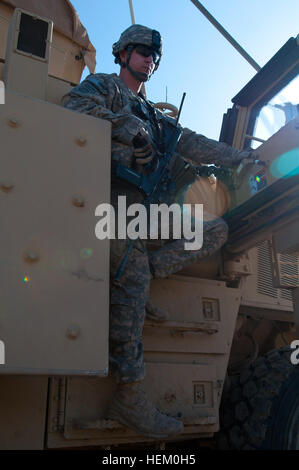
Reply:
x=81, y=142
x=73, y=332
x=6, y=187
x=13, y=123
x=78, y=201
x=31, y=257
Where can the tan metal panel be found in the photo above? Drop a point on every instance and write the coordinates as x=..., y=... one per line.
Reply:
x=206, y=268
x=23, y=406
x=186, y=390
x=54, y=272
x=186, y=362
x=193, y=300
x=63, y=61
x=25, y=72
x=5, y=16
x=66, y=60
x=56, y=89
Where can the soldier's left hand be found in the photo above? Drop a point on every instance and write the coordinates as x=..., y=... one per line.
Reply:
x=251, y=157
x=143, y=150
x=255, y=159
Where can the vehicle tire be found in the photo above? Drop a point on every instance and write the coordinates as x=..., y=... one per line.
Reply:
x=261, y=408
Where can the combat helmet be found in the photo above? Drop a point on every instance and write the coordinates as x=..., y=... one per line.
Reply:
x=133, y=36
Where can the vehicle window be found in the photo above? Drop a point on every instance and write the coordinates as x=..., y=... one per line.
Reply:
x=281, y=109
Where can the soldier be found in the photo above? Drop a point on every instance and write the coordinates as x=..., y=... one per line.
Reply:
x=136, y=136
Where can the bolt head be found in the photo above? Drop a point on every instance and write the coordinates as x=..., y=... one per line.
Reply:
x=78, y=201
x=13, y=123
x=81, y=142
x=73, y=332
x=31, y=257
x=6, y=187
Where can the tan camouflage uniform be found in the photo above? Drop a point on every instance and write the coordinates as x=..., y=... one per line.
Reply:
x=107, y=97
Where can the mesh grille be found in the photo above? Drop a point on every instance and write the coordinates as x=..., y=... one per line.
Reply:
x=289, y=271
x=286, y=294
x=264, y=272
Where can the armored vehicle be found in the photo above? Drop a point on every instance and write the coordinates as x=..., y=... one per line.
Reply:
x=233, y=317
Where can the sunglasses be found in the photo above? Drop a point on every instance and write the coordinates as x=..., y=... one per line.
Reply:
x=146, y=51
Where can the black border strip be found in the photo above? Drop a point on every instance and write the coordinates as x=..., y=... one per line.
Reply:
x=287, y=56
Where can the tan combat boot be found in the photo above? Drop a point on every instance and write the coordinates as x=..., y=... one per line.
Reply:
x=132, y=408
x=154, y=313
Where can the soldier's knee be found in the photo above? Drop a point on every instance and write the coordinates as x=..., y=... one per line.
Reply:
x=218, y=231
x=225, y=229
x=222, y=232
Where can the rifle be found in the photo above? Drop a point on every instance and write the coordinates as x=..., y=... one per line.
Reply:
x=156, y=184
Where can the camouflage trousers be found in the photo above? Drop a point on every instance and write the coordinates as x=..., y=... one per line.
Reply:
x=129, y=295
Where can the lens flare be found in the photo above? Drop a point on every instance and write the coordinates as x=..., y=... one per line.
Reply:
x=86, y=253
x=286, y=165
x=26, y=279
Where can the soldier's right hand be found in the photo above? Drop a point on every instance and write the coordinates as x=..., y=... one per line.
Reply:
x=143, y=149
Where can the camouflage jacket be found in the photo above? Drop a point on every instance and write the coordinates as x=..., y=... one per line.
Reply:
x=108, y=97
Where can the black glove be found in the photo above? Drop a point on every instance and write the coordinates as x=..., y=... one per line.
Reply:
x=143, y=150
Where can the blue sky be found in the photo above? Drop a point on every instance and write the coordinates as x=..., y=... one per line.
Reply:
x=196, y=58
